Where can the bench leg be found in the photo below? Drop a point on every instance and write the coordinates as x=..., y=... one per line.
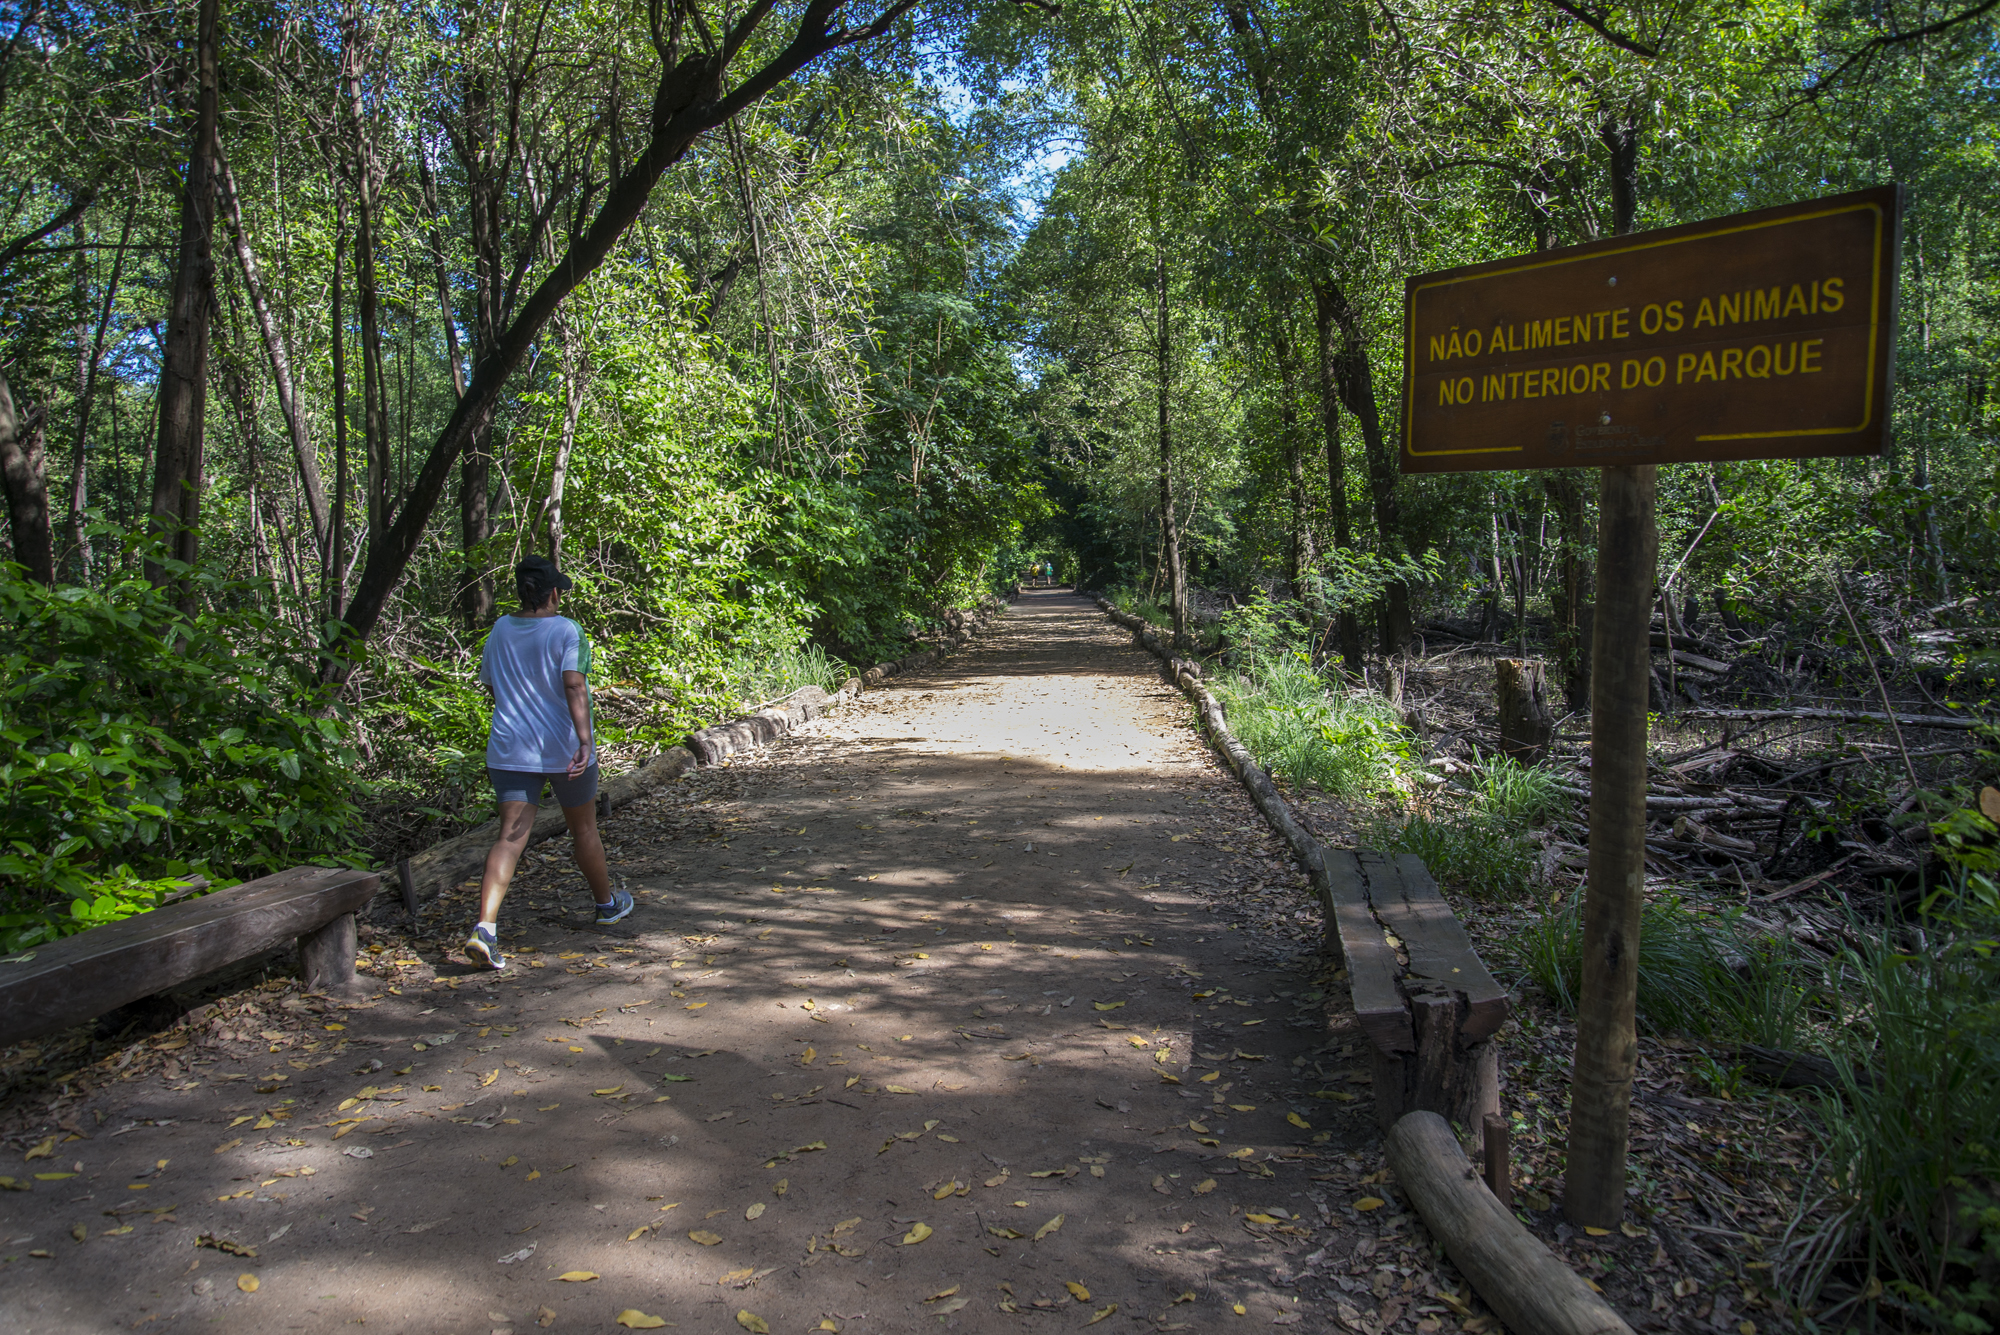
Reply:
x=1458, y=1081
x=326, y=959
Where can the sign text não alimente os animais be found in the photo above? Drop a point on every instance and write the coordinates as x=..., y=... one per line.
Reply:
x=1763, y=335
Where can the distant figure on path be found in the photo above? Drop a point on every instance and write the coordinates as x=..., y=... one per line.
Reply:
x=536, y=663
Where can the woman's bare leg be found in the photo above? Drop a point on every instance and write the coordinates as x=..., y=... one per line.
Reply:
x=517, y=820
x=588, y=849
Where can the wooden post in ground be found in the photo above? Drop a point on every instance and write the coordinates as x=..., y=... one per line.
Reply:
x=1620, y=669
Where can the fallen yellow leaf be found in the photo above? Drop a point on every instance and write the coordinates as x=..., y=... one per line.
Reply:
x=1135, y=1040
x=781, y=1186
x=897, y=1089
x=1596, y=1232
x=1211, y=1077
x=1107, y=1005
x=1243, y=1153
x=247, y=1283
x=918, y=1232
x=705, y=1238
x=1101, y=1314
x=601, y=1093
x=510, y=1161
x=753, y=1323
x=44, y=1149
x=1077, y=1291
x=638, y=1232
x=756, y=1210
x=1048, y=1228
x=1298, y=1121
x=638, y=1320
x=1367, y=1203
x=942, y=1294
x=1001, y=1180
x=578, y=1276
x=533, y=1173
x=491, y=1076
x=945, y=1190
x=1203, y=1187
x=999, y=1232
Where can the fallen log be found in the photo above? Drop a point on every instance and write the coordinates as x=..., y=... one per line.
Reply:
x=1960, y=723
x=1518, y=1277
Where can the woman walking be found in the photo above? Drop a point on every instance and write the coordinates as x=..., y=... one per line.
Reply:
x=537, y=665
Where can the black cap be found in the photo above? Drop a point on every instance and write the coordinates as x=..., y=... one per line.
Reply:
x=539, y=574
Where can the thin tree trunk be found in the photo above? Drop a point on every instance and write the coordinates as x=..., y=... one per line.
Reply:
x=310, y=485
x=1169, y=525
x=374, y=392
x=183, y=396
x=23, y=469
x=1565, y=491
x=79, y=496
x=1336, y=468
x=336, y=573
x=552, y=512
x=1356, y=379
x=1298, y=541
x=1621, y=678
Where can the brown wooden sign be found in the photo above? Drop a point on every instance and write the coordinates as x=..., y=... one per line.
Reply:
x=1765, y=335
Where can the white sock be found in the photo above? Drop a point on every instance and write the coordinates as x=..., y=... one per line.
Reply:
x=493, y=927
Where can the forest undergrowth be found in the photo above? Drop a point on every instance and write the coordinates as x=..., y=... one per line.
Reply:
x=1820, y=1044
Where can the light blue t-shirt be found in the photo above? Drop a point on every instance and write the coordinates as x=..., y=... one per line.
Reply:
x=523, y=662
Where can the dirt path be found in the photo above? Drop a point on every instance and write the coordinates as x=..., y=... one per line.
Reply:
x=932, y=1014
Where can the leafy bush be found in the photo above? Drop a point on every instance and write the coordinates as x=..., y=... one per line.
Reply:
x=139, y=744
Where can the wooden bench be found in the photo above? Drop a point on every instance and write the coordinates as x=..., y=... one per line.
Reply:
x=1422, y=996
x=81, y=977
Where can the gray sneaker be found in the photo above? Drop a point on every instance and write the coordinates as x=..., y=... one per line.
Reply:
x=620, y=905
x=483, y=948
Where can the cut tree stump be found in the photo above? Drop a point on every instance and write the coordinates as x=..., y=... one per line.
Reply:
x=1421, y=993
x=1527, y=725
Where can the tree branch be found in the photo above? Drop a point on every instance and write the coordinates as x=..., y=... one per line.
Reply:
x=1599, y=24
x=1869, y=49
x=19, y=245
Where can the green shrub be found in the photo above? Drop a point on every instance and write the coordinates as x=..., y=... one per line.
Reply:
x=138, y=744
x=1346, y=742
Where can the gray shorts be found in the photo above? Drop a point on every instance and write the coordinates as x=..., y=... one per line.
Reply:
x=522, y=786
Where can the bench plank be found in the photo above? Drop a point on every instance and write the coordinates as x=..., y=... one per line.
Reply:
x=83, y=976
x=1371, y=964
x=1408, y=902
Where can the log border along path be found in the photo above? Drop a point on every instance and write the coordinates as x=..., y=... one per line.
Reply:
x=1002, y=922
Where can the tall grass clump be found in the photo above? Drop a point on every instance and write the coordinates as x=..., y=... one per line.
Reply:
x=1699, y=973
x=1910, y=1210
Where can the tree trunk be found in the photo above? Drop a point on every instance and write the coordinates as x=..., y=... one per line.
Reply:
x=572, y=378
x=1356, y=381
x=1336, y=467
x=367, y=181
x=183, y=395
x=1621, y=675
x=1170, y=536
x=1298, y=541
x=303, y=455
x=86, y=395
x=1565, y=491
x=336, y=574
x=22, y=467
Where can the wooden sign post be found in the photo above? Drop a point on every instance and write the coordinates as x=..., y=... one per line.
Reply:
x=1765, y=335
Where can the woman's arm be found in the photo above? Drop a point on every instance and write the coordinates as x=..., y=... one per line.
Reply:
x=578, y=696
